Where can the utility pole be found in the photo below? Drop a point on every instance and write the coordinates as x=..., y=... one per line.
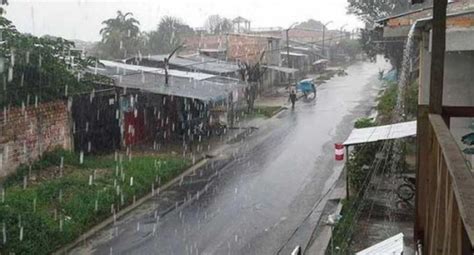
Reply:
x=324, y=36
x=288, y=50
x=342, y=31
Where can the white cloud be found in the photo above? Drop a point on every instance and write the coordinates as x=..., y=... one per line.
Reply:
x=81, y=19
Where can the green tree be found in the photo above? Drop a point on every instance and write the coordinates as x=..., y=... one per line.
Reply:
x=351, y=47
x=35, y=69
x=120, y=36
x=170, y=34
x=216, y=25
x=371, y=10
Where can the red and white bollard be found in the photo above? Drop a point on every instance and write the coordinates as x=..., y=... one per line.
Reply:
x=339, y=151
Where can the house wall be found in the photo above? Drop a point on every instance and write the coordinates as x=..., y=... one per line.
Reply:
x=95, y=123
x=458, y=89
x=458, y=77
x=240, y=47
x=25, y=134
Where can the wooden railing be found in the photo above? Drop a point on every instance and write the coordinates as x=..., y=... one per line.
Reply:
x=445, y=194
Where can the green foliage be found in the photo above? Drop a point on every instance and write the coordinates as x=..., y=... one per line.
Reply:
x=169, y=35
x=53, y=213
x=368, y=42
x=351, y=47
x=264, y=111
x=37, y=69
x=411, y=100
x=120, y=36
x=361, y=158
x=371, y=10
x=217, y=25
x=364, y=123
x=387, y=103
x=343, y=230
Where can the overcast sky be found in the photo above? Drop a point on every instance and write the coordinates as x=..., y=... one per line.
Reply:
x=81, y=19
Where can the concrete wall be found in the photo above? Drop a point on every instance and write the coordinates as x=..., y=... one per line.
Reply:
x=458, y=77
x=25, y=134
x=458, y=83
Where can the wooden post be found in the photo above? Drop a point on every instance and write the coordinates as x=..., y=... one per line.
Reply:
x=437, y=56
x=423, y=144
x=347, y=174
x=288, y=54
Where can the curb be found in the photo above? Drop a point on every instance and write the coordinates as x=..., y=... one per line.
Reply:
x=111, y=219
x=283, y=108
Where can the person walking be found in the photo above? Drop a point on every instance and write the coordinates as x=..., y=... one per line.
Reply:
x=292, y=99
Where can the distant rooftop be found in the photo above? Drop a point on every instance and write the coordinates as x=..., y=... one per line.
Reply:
x=240, y=20
x=182, y=84
x=294, y=54
x=199, y=63
x=123, y=69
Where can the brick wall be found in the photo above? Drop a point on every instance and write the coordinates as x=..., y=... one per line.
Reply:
x=26, y=133
x=241, y=47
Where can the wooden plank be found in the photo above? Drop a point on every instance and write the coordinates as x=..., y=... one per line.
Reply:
x=423, y=140
x=437, y=56
x=456, y=232
x=435, y=222
x=449, y=219
x=458, y=111
x=441, y=216
x=431, y=197
x=462, y=178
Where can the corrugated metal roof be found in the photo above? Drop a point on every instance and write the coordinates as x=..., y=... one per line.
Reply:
x=199, y=63
x=392, y=246
x=122, y=68
x=295, y=54
x=212, y=50
x=388, y=132
x=321, y=61
x=181, y=84
x=204, y=63
x=282, y=69
x=180, y=87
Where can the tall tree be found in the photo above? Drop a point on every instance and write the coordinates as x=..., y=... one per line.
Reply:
x=371, y=10
x=120, y=36
x=170, y=34
x=35, y=69
x=216, y=24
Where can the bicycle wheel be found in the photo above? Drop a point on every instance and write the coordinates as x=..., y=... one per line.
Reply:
x=405, y=192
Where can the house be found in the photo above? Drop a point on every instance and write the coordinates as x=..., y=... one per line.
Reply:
x=241, y=25
x=151, y=112
x=247, y=48
x=296, y=60
x=442, y=39
x=280, y=76
x=190, y=63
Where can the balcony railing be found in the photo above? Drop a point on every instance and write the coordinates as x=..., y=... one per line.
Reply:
x=445, y=194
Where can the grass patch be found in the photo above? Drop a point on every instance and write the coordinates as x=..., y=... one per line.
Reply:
x=49, y=214
x=267, y=111
x=387, y=103
x=343, y=230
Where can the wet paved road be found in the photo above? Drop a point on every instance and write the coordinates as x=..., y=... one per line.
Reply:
x=252, y=203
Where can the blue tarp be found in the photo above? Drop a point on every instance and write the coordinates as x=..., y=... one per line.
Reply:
x=306, y=86
x=391, y=76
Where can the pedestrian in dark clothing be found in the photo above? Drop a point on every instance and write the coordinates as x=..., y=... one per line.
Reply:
x=293, y=99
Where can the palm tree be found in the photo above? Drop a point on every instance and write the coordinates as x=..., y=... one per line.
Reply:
x=169, y=35
x=120, y=35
